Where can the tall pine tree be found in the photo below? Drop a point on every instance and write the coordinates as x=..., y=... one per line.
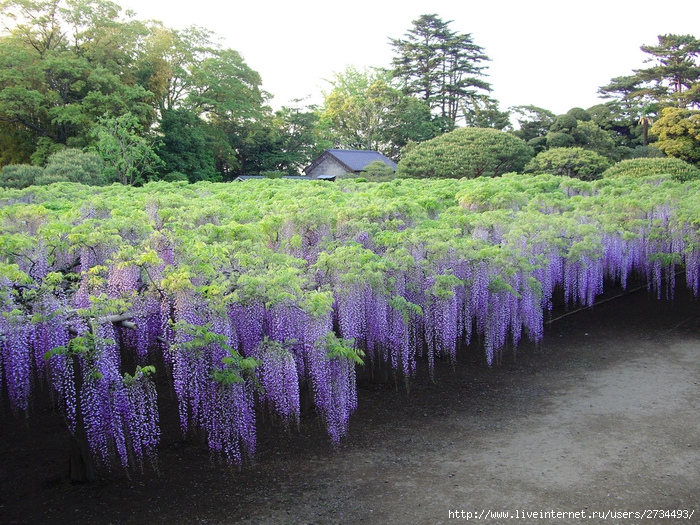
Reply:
x=440, y=66
x=673, y=77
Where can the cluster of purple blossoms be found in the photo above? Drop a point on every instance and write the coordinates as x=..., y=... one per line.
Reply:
x=16, y=360
x=280, y=381
x=119, y=414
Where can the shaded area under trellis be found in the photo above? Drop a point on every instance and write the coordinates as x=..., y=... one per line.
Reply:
x=190, y=486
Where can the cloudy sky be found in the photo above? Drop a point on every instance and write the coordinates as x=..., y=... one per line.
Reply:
x=549, y=53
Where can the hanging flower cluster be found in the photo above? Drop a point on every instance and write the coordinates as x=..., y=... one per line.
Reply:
x=119, y=414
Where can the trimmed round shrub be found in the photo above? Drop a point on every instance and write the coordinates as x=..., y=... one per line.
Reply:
x=73, y=165
x=538, y=144
x=557, y=139
x=645, y=167
x=20, y=175
x=572, y=162
x=564, y=123
x=377, y=171
x=174, y=176
x=579, y=114
x=466, y=152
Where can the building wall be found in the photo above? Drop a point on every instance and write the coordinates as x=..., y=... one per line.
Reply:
x=327, y=166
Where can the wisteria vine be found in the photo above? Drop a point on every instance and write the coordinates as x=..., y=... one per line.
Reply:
x=253, y=296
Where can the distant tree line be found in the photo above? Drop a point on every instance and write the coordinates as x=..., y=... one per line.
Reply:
x=150, y=101
x=89, y=93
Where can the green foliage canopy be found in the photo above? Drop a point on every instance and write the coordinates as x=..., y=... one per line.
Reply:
x=679, y=134
x=64, y=64
x=128, y=155
x=19, y=175
x=365, y=110
x=675, y=72
x=185, y=146
x=673, y=78
x=533, y=122
x=66, y=165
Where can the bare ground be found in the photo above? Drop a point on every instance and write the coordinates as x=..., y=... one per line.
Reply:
x=603, y=415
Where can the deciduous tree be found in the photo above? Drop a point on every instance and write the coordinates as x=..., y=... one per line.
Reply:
x=364, y=110
x=128, y=155
x=64, y=64
x=185, y=146
x=295, y=138
x=678, y=130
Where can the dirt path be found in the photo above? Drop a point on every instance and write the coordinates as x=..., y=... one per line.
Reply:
x=603, y=416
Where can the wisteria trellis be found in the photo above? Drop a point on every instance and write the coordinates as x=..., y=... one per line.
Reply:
x=252, y=294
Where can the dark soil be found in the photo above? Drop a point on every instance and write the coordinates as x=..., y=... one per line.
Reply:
x=602, y=415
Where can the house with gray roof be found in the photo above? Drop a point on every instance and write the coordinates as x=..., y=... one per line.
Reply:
x=334, y=163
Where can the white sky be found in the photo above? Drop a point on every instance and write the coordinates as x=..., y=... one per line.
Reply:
x=553, y=54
